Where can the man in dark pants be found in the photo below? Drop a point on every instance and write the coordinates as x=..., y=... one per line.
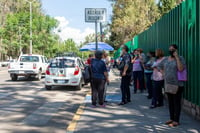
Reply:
x=126, y=76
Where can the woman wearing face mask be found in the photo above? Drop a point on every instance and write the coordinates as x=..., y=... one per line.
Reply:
x=171, y=65
x=138, y=72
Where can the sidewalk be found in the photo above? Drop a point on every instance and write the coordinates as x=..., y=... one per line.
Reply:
x=135, y=117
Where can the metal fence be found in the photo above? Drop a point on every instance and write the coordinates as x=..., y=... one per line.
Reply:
x=179, y=26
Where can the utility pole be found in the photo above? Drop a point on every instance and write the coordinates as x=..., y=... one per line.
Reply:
x=31, y=19
x=20, y=41
x=31, y=34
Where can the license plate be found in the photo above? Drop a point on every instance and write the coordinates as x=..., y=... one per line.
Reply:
x=21, y=72
x=61, y=81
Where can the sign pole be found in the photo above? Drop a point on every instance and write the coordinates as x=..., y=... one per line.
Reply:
x=101, y=31
x=96, y=39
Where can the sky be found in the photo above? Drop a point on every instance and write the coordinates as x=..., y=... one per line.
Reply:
x=71, y=16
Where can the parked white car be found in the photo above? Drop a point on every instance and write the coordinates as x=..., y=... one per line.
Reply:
x=6, y=63
x=65, y=71
x=28, y=66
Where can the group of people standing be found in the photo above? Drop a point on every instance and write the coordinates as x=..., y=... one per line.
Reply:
x=154, y=72
x=155, y=69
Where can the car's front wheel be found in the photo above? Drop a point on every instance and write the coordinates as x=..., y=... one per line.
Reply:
x=48, y=87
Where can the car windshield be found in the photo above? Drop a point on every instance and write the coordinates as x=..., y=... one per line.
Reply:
x=29, y=59
x=62, y=63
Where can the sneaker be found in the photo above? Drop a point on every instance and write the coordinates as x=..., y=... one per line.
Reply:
x=102, y=106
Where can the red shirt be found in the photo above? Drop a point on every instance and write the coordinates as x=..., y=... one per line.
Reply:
x=89, y=61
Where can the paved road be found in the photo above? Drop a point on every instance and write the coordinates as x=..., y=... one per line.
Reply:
x=26, y=107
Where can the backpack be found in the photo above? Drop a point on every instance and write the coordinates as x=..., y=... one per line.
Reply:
x=87, y=74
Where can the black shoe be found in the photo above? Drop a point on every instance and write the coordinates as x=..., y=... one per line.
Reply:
x=149, y=97
x=160, y=105
x=128, y=101
x=105, y=101
x=122, y=103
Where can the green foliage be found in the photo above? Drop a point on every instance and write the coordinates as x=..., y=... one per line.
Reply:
x=130, y=17
x=166, y=5
x=15, y=30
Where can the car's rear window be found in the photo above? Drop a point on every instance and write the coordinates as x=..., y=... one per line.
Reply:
x=62, y=63
x=29, y=59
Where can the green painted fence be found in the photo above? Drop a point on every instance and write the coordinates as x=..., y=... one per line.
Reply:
x=130, y=44
x=180, y=26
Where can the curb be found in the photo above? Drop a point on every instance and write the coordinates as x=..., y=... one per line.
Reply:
x=72, y=126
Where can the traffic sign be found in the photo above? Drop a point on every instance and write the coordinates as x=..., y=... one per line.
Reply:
x=93, y=15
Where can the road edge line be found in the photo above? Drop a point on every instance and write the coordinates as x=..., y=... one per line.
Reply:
x=72, y=126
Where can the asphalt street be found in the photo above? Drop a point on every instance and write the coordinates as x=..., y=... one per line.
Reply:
x=26, y=106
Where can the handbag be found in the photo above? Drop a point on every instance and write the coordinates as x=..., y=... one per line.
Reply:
x=172, y=89
x=182, y=76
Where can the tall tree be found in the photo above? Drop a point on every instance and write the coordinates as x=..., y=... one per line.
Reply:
x=166, y=5
x=15, y=29
x=130, y=17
